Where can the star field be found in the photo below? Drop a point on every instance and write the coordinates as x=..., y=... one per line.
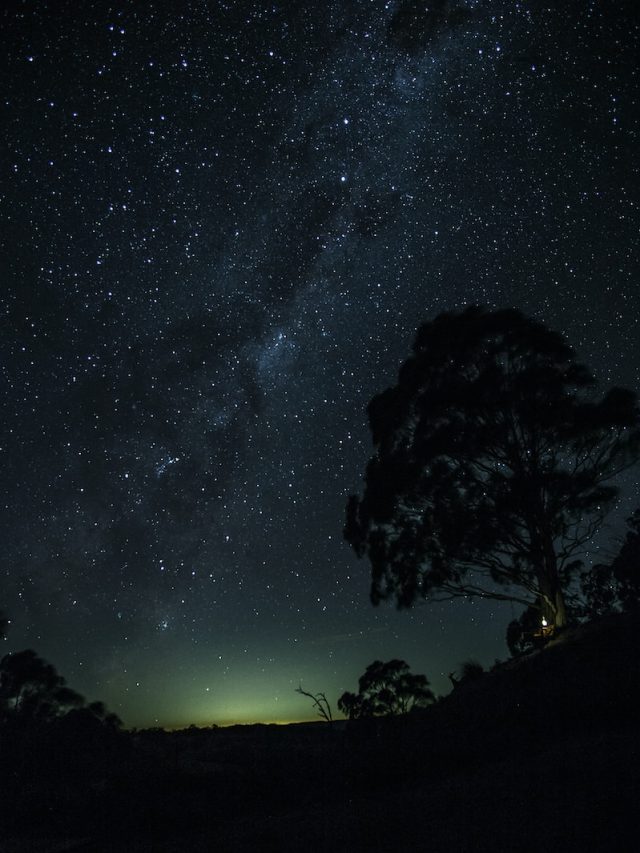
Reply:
x=222, y=224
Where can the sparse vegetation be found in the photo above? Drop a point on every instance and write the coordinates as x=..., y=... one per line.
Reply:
x=320, y=703
x=386, y=689
x=616, y=586
x=31, y=690
x=485, y=750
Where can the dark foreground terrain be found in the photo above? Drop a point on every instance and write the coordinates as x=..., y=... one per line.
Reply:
x=540, y=754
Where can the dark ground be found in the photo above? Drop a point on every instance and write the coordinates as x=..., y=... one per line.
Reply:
x=540, y=754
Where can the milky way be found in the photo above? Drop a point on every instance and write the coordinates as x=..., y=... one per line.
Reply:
x=222, y=224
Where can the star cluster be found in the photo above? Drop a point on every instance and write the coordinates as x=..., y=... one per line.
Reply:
x=222, y=224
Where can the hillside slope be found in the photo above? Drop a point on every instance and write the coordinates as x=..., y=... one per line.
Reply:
x=542, y=753
x=587, y=678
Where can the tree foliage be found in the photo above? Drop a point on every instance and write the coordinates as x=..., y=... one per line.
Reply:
x=521, y=632
x=616, y=586
x=626, y=566
x=493, y=465
x=386, y=689
x=469, y=670
x=31, y=690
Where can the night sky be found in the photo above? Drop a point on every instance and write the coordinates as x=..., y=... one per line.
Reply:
x=222, y=223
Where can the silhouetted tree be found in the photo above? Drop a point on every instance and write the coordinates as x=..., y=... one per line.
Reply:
x=521, y=631
x=599, y=591
x=320, y=702
x=470, y=670
x=98, y=709
x=617, y=585
x=352, y=706
x=386, y=689
x=626, y=566
x=32, y=688
x=493, y=465
x=107, y=718
x=4, y=624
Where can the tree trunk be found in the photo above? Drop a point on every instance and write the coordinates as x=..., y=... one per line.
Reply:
x=553, y=611
x=553, y=605
x=561, y=611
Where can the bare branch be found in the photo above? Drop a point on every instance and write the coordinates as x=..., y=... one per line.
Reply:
x=320, y=702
